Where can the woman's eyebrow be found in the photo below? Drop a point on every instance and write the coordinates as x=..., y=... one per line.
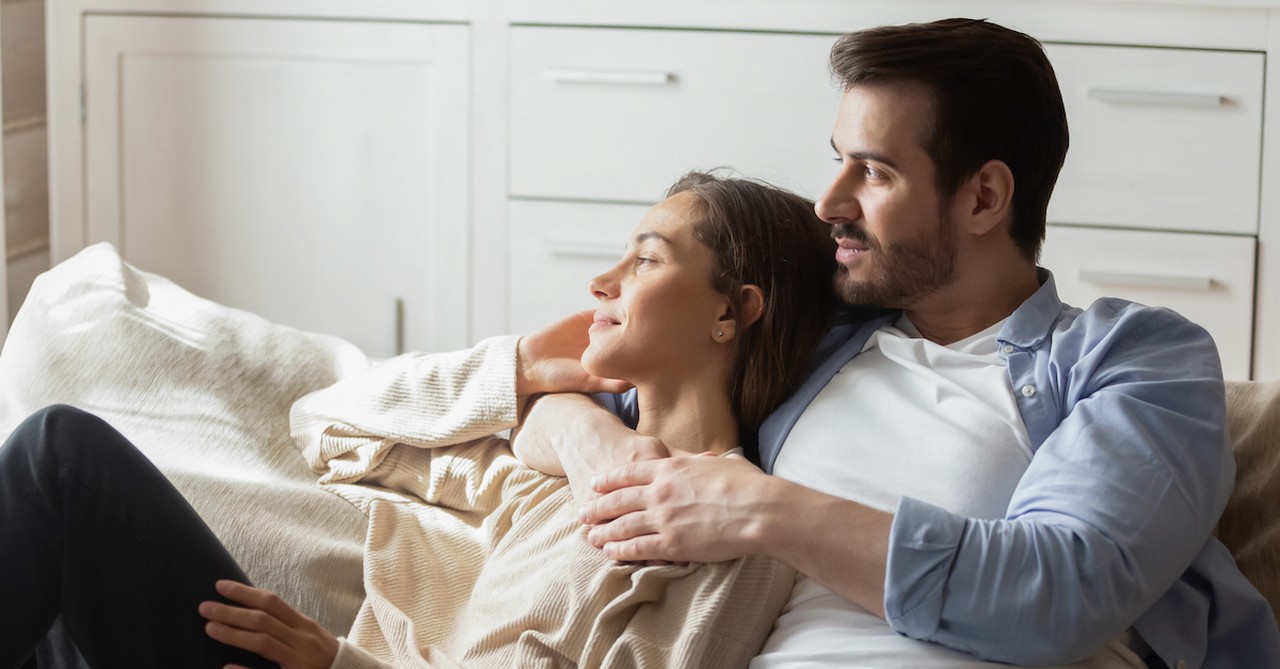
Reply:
x=646, y=236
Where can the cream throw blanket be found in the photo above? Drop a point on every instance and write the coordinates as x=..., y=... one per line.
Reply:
x=474, y=560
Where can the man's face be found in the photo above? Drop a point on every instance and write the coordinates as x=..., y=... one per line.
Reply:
x=896, y=245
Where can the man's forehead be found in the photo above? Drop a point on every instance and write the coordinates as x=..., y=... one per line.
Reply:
x=887, y=118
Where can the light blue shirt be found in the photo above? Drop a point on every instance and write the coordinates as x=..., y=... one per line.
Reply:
x=1109, y=528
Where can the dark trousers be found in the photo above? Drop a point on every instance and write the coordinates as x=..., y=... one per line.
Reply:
x=91, y=531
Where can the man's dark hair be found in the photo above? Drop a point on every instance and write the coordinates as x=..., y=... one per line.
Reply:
x=995, y=97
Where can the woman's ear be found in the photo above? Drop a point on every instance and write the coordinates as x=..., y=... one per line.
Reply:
x=750, y=309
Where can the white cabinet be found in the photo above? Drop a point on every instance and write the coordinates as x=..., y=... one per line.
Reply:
x=313, y=172
x=619, y=115
x=1162, y=140
x=603, y=121
x=1165, y=139
x=1207, y=278
x=419, y=174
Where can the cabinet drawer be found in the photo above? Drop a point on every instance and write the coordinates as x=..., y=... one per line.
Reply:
x=620, y=114
x=1160, y=138
x=556, y=249
x=1207, y=278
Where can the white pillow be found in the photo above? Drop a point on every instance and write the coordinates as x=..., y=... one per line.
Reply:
x=204, y=391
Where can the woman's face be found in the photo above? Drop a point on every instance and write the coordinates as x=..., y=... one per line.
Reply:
x=658, y=312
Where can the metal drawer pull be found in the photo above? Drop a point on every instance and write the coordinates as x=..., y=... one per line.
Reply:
x=1132, y=97
x=1145, y=280
x=565, y=247
x=629, y=77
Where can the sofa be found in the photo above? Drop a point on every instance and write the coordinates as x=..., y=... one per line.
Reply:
x=205, y=390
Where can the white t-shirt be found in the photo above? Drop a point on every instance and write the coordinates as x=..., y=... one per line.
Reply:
x=906, y=417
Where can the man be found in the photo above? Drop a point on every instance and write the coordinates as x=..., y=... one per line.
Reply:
x=983, y=467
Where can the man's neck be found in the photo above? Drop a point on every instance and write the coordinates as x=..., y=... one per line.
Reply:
x=968, y=307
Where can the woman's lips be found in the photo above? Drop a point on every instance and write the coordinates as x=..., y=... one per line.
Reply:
x=603, y=320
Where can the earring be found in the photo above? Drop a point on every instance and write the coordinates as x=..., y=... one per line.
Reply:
x=719, y=333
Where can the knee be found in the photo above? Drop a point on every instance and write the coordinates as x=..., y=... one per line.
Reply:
x=56, y=426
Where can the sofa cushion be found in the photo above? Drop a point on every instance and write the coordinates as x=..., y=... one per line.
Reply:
x=1250, y=526
x=203, y=391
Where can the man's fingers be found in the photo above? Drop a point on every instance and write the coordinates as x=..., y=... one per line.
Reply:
x=638, y=549
x=622, y=528
x=633, y=474
x=613, y=505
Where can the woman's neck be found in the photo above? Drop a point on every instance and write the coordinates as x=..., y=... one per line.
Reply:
x=693, y=417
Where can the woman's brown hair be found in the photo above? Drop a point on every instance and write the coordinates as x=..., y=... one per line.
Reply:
x=765, y=236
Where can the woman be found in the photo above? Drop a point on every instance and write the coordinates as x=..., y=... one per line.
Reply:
x=493, y=568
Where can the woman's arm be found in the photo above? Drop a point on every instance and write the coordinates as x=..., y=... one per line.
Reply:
x=426, y=401
x=571, y=435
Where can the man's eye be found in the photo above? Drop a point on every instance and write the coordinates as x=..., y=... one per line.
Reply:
x=643, y=260
x=872, y=173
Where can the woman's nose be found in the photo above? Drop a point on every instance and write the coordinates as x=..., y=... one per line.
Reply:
x=603, y=286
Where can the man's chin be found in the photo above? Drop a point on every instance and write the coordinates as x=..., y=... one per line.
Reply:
x=857, y=293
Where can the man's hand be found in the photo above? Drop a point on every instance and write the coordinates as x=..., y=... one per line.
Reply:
x=708, y=509
x=551, y=360
x=268, y=626
x=698, y=508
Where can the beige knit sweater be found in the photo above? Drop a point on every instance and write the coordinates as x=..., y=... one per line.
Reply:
x=474, y=560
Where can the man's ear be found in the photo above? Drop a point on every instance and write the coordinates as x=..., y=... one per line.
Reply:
x=989, y=200
x=750, y=309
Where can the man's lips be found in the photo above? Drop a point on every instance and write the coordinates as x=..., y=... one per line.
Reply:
x=848, y=250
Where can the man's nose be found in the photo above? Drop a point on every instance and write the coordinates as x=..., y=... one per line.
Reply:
x=839, y=204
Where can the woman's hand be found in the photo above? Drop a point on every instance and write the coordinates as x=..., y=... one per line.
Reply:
x=551, y=360
x=268, y=626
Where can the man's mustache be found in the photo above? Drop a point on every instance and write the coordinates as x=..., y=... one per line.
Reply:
x=850, y=231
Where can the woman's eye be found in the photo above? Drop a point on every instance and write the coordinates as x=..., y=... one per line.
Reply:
x=643, y=260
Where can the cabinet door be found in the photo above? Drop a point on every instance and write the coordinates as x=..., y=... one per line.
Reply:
x=313, y=172
x=1207, y=278
x=619, y=114
x=1166, y=139
x=557, y=248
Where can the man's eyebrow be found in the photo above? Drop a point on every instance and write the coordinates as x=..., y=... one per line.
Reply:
x=865, y=155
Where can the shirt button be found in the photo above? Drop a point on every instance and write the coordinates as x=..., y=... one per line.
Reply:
x=1182, y=664
x=1028, y=390
x=1007, y=348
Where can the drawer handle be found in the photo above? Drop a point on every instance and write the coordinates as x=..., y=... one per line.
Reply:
x=1132, y=97
x=575, y=249
x=628, y=77
x=1142, y=280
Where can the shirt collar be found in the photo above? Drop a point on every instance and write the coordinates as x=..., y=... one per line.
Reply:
x=1032, y=322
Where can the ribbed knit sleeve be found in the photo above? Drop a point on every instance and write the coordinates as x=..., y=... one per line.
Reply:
x=423, y=400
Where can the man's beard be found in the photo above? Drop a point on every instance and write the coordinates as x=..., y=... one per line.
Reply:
x=902, y=273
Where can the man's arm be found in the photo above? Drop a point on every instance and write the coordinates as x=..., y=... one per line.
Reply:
x=1117, y=502
x=713, y=509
